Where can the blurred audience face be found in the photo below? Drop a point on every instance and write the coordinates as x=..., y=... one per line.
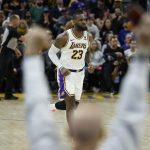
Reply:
x=114, y=42
x=128, y=39
x=108, y=23
x=28, y=18
x=94, y=46
x=86, y=129
x=125, y=25
x=39, y=3
x=117, y=12
x=133, y=45
x=90, y=21
x=101, y=24
x=109, y=36
x=23, y=5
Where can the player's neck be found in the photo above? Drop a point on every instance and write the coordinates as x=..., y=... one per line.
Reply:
x=78, y=33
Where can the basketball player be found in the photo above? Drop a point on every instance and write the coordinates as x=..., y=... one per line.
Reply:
x=126, y=131
x=73, y=45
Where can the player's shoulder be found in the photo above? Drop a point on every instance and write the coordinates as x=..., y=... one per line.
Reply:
x=61, y=40
x=62, y=36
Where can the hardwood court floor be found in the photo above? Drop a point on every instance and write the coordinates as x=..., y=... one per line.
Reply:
x=13, y=128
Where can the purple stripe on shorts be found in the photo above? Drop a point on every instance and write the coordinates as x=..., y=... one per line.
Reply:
x=61, y=92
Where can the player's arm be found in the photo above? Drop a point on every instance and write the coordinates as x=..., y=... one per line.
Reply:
x=59, y=43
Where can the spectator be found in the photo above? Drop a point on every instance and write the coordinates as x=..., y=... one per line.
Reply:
x=62, y=20
x=107, y=42
x=129, y=53
x=118, y=4
x=122, y=34
x=97, y=60
x=113, y=56
x=56, y=10
x=14, y=5
x=22, y=11
x=109, y=4
x=128, y=40
x=37, y=10
x=92, y=28
x=6, y=10
x=107, y=29
x=117, y=20
x=47, y=21
x=28, y=18
x=98, y=10
x=99, y=23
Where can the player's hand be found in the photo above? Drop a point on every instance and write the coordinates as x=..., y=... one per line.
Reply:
x=65, y=72
x=91, y=68
x=18, y=53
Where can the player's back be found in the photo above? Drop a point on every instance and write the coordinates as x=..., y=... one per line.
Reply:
x=73, y=53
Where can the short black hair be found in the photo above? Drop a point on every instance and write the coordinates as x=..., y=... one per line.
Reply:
x=77, y=12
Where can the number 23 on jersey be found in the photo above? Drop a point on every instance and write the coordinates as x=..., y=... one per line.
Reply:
x=77, y=54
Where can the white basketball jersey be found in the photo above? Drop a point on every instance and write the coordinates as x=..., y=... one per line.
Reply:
x=73, y=54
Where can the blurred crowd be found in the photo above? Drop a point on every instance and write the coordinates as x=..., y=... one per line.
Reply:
x=113, y=43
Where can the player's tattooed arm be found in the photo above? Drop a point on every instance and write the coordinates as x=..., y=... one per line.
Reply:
x=61, y=40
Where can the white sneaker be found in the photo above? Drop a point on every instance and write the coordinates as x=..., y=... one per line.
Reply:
x=52, y=107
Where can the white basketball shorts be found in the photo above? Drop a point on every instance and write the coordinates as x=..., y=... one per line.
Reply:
x=71, y=85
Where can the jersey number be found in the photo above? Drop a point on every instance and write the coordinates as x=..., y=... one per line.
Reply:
x=77, y=54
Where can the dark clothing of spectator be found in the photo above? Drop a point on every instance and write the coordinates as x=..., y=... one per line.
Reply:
x=49, y=24
x=18, y=67
x=122, y=35
x=125, y=47
x=110, y=57
x=109, y=5
x=56, y=12
x=9, y=44
x=117, y=25
x=103, y=34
